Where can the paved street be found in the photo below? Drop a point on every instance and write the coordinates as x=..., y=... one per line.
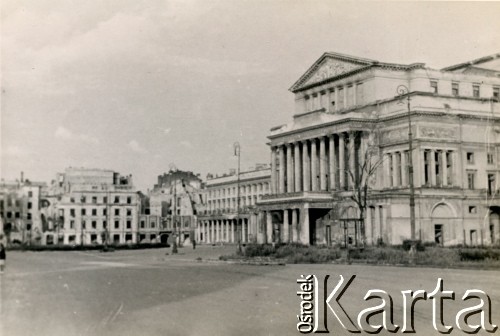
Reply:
x=149, y=293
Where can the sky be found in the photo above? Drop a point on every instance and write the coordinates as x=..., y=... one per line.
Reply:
x=142, y=86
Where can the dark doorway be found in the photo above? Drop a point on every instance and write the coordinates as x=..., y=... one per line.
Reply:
x=438, y=234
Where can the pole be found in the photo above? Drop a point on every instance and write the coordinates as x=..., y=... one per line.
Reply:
x=237, y=151
x=402, y=90
x=174, y=246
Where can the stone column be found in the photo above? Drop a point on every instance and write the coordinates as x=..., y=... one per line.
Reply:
x=289, y=169
x=331, y=161
x=295, y=231
x=404, y=180
x=314, y=165
x=212, y=237
x=282, y=170
x=286, y=234
x=296, y=165
x=322, y=164
x=444, y=163
x=269, y=227
x=304, y=225
x=243, y=230
x=345, y=96
x=433, y=167
x=232, y=231
x=352, y=157
x=305, y=167
x=341, y=161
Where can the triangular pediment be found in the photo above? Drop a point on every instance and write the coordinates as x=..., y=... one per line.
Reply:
x=330, y=65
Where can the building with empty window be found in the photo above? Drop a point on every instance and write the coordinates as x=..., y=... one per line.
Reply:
x=91, y=206
x=352, y=115
x=20, y=211
x=174, y=203
x=219, y=222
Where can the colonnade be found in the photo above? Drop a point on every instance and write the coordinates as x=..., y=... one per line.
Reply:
x=222, y=231
x=316, y=164
x=292, y=229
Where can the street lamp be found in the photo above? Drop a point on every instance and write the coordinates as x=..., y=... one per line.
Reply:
x=237, y=152
x=174, y=210
x=403, y=90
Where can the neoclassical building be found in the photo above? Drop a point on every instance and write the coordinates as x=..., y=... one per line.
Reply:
x=218, y=223
x=352, y=115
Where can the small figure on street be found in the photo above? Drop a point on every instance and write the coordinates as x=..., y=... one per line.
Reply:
x=194, y=244
x=2, y=257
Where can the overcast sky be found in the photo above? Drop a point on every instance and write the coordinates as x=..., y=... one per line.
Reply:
x=135, y=86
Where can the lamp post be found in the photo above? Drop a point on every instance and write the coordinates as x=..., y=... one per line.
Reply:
x=403, y=90
x=237, y=152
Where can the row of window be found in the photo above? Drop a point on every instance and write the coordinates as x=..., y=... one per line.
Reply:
x=16, y=203
x=95, y=199
x=455, y=89
x=93, y=225
x=244, y=189
x=335, y=98
x=94, y=212
x=490, y=158
x=17, y=214
x=492, y=187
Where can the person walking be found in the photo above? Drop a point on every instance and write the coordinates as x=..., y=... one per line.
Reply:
x=2, y=257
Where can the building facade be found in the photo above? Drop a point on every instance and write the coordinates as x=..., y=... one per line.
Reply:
x=350, y=131
x=91, y=206
x=176, y=198
x=20, y=211
x=219, y=223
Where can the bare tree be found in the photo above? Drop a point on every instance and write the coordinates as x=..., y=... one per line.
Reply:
x=361, y=175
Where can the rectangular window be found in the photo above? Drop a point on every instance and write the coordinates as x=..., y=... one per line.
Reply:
x=28, y=215
x=104, y=200
x=117, y=199
x=129, y=224
x=496, y=93
x=350, y=96
x=9, y=214
x=332, y=101
x=490, y=158
x=472, y=209
x=491, y=184
x=129, y=200
x=437, y=165
x=438, y=234
x=434, y=86
x=104, y=224
x=72, y=212
x=30, y=193
x=475, y=90
x=71, y=224
x=470, y=158
x=129, y=212
x=471, y=178
x=30, y=205
x=427, y=173
x=72, y=200
x=117, y=224
x=83, y=199
x=94, y=200
x=83, y=212
x=18, y=214
x=104, y=212
x=398, y=167
x=94, y=225
x=117, y=212
x=153, y=224
x=94, y=212
x=454, y=89
x=143, y=224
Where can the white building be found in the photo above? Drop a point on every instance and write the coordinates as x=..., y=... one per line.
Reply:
x=347, y=106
